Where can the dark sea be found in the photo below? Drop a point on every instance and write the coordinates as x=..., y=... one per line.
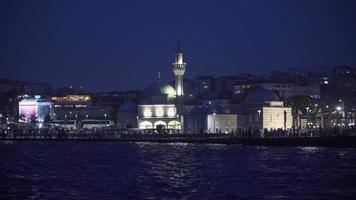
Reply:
x=112, y=170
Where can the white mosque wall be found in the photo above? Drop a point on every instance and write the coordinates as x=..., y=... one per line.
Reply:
x=277, y=117
x=224, y=123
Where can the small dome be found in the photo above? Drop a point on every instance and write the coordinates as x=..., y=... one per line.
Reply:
x=159, y=89
x=261, y=94
x=128, y=107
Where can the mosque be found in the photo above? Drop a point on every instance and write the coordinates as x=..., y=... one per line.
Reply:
x=160, y=105
x=163, y=106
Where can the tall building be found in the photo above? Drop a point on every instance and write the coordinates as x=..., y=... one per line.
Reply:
x=179, y=70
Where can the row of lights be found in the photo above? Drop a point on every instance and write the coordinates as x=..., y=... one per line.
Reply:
x=76, y=115
x=159, y=112
x=338, y=108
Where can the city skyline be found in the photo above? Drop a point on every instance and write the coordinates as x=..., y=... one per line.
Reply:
x=162, y=99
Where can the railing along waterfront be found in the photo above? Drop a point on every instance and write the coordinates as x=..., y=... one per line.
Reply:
x=121, y=134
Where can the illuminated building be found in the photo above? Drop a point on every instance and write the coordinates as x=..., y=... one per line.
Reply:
x=35, y=110
x=71, y=106
x=266, y=110
x=262, y=109
x=71, y=101
x=78, y=107
x=210, y=120
x=158, y=107
x=179, y=70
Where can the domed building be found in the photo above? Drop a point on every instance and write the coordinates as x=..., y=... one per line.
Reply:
x=127, y=115
x=158, y=93
x=159, y=105
x=260, y=94
x=157, y=108
x=266, y=110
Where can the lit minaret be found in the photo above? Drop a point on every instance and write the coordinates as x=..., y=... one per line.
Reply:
x=178, y=70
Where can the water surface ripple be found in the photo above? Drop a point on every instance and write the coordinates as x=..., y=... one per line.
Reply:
x=109, y=170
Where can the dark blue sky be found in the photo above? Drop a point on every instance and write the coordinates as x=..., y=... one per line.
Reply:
x=116, y=45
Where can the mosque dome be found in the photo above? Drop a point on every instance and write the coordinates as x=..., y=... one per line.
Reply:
x=159, y=89
x=261, y=94
x=127, y=107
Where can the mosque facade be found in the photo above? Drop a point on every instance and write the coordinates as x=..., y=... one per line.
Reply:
x=159, y=106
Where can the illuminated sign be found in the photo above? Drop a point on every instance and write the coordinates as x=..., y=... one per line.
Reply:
x=33, y=110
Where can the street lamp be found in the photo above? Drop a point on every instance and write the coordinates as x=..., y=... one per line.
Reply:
x=259, y=114
x=105, y=115
x=338, y=108
x=307, y=108
x=315, y=114
x=214, y=114
x=87, y=116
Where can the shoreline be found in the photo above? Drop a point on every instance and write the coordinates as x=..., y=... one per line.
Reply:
x=336, y=141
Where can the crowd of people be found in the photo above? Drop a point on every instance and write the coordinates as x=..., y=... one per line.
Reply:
x=14, y=132
x=294, y=132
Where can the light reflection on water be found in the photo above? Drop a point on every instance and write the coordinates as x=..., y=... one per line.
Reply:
x=99, y=170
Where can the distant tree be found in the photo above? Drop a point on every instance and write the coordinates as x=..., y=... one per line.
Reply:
x=300, y=102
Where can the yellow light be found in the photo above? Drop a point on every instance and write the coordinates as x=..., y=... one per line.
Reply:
x=159, y=112
x=147, y=112
x=170, y=112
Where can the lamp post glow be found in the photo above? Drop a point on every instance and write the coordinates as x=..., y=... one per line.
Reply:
x=315, y=114
x=105, y=116
x=214, y=114
x=338, y=108
x=307, y=108
x=259, y=114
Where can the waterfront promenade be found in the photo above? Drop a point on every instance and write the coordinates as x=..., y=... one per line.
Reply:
x=328, y=138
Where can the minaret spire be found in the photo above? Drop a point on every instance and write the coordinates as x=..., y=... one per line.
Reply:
x=159, y=77
x=179, y=69
x=178, y=49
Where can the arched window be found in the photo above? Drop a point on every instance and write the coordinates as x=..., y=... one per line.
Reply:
x=161, y=124
x=146, y=125
x=174, y=124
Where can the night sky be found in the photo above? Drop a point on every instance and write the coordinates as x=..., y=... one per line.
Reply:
x=119, y=45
